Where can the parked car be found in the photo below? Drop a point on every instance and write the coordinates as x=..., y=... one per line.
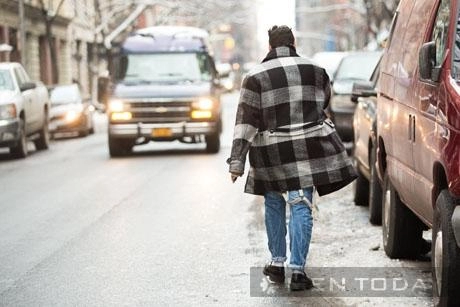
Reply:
x=226, y=76
x=329, y=60
x=355, y=66
x=24, y=110
x=368, y=191
x=418, y=133
x=69, y=112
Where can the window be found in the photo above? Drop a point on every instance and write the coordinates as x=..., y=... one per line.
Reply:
x=167, y=67
x=5, y=80
x=456, y=68
x=441, y=30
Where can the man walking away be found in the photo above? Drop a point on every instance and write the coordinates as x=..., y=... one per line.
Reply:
x=292, y=148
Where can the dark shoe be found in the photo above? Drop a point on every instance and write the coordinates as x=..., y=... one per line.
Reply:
x=274, y=273
x=300, y=281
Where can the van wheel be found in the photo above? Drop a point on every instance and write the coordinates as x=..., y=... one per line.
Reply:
x=118, y=148
x=20, y=150
x=43, y=141
x=375, y=193
x=361, y=190
x=401, y=229
x=213, y=143
x=445, y=254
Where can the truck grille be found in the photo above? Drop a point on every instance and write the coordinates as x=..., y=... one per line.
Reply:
x=159, y=112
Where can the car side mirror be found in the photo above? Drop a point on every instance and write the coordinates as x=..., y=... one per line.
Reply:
x=363, y=89
x=426, y=64
x=27, y=86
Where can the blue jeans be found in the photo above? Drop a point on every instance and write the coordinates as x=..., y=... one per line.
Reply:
x=300, y=225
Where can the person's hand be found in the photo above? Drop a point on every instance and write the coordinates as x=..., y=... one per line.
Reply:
x=234, y=176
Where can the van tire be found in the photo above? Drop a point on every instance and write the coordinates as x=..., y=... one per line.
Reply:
x=213, y=143
x=400, y=227
x=119, y=147
x=445, y=253
x=361, y=190
x=20, y=150
x=375, y=192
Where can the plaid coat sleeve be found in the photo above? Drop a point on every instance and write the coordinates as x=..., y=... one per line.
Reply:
x=246, y=124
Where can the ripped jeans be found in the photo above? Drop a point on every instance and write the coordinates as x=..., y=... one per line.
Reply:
x=300, y=225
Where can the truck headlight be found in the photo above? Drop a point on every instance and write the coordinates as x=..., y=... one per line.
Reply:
x=121, y=116
x=116, y=105
x=201, y=114
x=204, y=103
x=8, y=111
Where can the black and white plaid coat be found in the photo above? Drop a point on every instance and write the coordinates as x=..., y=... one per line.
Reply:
x=281, y=122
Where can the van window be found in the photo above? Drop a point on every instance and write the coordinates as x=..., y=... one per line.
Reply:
x=441, y=30
x=456, y=70
x=166, y=67
x=419, y=16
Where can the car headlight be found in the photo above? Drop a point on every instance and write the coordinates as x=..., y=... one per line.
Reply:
x=204, y=103
x=116, y=105
x=8, y=111
x=72, y=116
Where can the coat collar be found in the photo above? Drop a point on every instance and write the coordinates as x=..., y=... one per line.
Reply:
x=281, y=52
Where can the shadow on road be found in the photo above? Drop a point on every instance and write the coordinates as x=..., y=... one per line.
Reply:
x=166, y=152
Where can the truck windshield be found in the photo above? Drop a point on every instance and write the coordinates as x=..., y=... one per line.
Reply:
x=166, y=67
x=6, y=83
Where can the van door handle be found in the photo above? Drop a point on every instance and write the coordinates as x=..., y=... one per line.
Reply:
x=412, y=128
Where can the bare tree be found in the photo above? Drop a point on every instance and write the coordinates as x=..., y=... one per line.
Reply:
x=49, y=13
x=379, y=14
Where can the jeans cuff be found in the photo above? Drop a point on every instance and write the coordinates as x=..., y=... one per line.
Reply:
x=279, y=259
x=296, y=267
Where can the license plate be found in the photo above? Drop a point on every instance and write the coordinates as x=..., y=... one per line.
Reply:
x=161, y=132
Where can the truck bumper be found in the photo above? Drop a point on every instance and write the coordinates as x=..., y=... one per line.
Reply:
x=9, y=132
x=175, y=130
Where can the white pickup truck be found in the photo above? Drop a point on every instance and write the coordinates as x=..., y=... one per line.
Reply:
x=24, y=110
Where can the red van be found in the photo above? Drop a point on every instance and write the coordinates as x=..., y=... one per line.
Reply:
x=418, y=133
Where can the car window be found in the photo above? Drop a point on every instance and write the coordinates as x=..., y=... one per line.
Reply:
x=19, y=77
x=6, y=83
x=357, y=66
x=65, y=94
x=440, y=31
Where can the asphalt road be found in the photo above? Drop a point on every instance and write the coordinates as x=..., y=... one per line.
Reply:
x=162, y=227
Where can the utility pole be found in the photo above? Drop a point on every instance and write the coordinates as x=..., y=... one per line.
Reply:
x=22, y=33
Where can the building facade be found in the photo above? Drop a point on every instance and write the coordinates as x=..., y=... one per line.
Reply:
x=72, y=34
x=330, y=25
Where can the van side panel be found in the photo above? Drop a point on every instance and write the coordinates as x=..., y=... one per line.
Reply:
x=392, y=121
x=424, y=100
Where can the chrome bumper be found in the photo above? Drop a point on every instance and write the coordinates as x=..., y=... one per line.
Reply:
x=177, y=129
x=9, y=132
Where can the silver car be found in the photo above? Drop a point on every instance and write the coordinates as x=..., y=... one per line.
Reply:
x=69, y=113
